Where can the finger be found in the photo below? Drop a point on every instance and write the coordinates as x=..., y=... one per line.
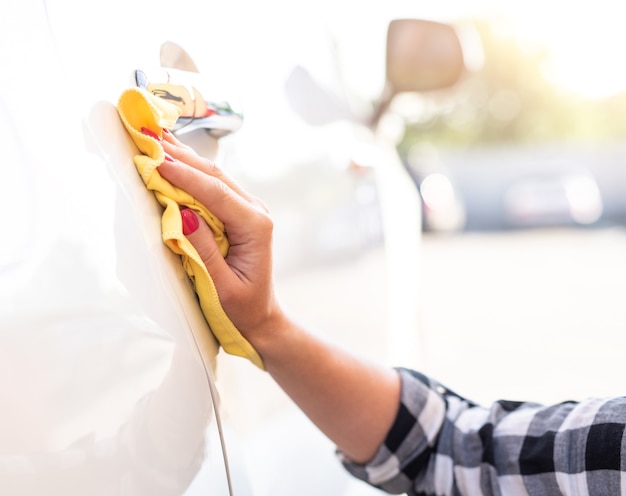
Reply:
x=187, y=155
x=230, y=207
x=170, y=137
x=200, y=236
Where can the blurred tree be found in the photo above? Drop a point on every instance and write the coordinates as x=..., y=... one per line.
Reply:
x=510, y=101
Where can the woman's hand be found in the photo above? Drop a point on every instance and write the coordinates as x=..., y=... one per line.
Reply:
x=352, y=401
x=244, y=278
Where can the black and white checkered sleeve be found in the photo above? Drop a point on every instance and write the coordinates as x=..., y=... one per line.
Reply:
x=442, y=444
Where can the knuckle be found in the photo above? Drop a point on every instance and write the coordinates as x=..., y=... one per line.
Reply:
x=266, y=223
x=213, y=169
x=261, y=205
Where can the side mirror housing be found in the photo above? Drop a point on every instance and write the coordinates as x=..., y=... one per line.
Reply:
x=422, y=56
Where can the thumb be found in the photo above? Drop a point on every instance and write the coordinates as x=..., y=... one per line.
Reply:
x=201, y=237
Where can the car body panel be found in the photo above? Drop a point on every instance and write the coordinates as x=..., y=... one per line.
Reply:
x=105, y=389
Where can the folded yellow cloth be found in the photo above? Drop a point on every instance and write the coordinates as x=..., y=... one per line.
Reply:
x=138, y=108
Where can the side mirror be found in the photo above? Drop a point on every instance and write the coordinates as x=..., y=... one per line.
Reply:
x=422, y=56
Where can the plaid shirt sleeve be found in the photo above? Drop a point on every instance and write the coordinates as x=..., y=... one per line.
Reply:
x=442, y=444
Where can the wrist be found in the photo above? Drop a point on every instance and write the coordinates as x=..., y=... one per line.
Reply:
x=272, y=336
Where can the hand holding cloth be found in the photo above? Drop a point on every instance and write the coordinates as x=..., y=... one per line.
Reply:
x=139, y=109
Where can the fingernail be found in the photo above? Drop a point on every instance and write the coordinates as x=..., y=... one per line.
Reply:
x=166, y=131
x=190, y=221
x=168, y=157
x=151, y=133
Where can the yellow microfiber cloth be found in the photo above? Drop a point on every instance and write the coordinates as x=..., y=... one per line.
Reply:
x=138, y=108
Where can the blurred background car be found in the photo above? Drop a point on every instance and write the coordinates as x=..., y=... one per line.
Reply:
x=553, y=196
x=509, y=188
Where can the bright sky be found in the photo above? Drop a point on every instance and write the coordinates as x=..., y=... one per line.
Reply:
x=587, y=42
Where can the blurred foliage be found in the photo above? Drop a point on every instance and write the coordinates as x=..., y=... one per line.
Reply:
x=510, y=101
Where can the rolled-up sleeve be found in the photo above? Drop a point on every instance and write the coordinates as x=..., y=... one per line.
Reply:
x=411, y=441
x=443, y=444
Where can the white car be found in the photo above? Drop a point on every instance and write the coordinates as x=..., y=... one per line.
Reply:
x=111, y=382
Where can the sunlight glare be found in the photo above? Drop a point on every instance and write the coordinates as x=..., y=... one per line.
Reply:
x=585, y=43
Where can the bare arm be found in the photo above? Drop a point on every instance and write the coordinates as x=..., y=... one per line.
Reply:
x=353, y=401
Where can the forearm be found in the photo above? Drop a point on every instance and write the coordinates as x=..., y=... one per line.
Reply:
x=352, y=401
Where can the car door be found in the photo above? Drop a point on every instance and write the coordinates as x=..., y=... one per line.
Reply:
x=106, y=389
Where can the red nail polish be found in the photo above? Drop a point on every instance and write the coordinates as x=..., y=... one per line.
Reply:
x=190, y=221
x=151, y=133
x=168, y=157
x=166, y=131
